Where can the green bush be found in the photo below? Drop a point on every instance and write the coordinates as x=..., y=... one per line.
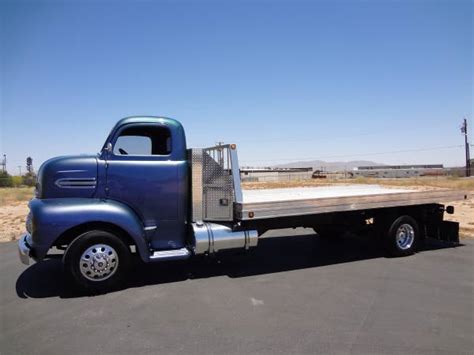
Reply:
x=5, y=179
x=29, y=179
x=17, y=181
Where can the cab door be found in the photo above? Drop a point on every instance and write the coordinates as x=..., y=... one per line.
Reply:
x=143, y=172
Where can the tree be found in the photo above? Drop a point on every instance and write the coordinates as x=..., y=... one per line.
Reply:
x=29, y=178
x=29, y=165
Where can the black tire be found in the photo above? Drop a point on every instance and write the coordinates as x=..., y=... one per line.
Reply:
x=113, y=276
x=409, y=236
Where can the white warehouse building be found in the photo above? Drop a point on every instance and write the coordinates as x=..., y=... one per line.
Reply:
x=397, y=171
x=275, y=174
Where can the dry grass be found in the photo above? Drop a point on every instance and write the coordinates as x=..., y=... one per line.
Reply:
x=13, y=211
x=9, y=195
x=443, y=182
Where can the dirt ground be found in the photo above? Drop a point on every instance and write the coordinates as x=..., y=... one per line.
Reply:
x=14, y=201
x=12, y=220
x=13, y=211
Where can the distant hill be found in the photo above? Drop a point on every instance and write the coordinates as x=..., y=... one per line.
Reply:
x=329, y=166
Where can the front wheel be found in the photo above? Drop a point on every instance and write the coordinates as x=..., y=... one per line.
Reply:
x=402, y=237
x=97, y=260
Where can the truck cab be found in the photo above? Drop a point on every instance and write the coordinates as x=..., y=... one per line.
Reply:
x=143, y=165
x=133, y=195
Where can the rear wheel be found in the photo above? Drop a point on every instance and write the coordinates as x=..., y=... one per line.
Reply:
x=402, y=237
x=97, y=260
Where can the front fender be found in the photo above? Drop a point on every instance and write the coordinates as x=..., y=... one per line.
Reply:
x=52, y=217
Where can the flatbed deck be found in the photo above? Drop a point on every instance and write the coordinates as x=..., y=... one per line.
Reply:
x=274, y=203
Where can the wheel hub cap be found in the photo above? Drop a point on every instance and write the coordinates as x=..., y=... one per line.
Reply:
x=405, y=236
x=98, y=262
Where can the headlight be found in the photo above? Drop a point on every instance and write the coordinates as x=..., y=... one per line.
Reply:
x=29, y=223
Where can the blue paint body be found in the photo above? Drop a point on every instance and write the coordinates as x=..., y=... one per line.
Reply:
x=146, y=196
x=53, y=217
x=74, y=167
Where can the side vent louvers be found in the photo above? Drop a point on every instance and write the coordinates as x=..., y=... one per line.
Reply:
x=69, y=183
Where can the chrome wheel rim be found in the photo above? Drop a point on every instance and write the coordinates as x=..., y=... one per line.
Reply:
x=405, y=236
x=98, y=262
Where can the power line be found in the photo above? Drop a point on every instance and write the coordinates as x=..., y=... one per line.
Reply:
x=313, y=139
x=360, y=154
x=318, y=136
x=4, y=163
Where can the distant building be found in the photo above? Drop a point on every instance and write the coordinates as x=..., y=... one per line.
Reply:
x=397, y=171
x=399, y=167
x=275, y=174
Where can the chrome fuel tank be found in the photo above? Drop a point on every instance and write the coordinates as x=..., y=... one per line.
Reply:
x=211, y=238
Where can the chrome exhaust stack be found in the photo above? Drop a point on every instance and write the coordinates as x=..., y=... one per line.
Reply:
x=210, y=238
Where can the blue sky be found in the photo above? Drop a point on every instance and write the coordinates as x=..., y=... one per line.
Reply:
x=285, y=80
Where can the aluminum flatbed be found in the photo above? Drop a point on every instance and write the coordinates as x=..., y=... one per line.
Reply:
x=275, y=203
x=218, y=194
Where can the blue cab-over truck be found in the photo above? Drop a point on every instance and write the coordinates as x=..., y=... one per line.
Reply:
x=145, y=194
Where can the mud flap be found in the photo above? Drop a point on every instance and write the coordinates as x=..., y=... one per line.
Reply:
x=445, y=230
x=449, y=231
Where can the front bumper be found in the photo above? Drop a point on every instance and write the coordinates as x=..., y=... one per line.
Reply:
x=24, y=249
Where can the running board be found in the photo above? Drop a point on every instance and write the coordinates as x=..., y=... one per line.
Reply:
x=176, y=254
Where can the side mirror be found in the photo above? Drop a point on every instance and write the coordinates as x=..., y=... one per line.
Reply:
x=108, y=148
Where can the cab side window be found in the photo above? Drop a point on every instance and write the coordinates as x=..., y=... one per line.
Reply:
x=143, y=140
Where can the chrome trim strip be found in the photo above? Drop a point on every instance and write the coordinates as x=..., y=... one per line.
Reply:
x=24, y=250
x=177, y=254
x=234, y=162
x=76, y=183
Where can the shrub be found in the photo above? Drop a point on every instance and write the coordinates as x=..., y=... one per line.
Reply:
x=17, y=181
x=29, y=179
x=5, y=179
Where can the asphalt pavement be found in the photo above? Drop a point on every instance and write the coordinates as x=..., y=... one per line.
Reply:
x=295, y=294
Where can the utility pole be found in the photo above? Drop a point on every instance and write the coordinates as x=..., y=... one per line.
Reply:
x=466, y=143
x=4, y=163
x=19, y=169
